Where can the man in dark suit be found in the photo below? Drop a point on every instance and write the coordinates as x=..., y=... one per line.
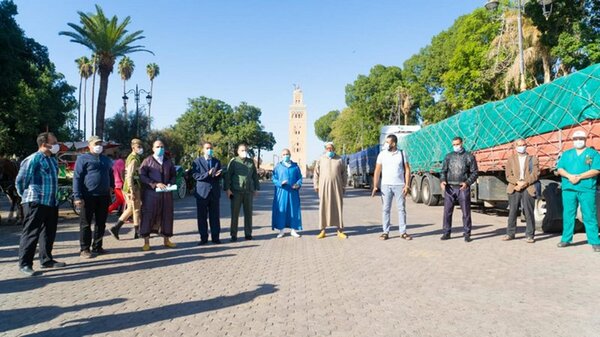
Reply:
x=206, y=170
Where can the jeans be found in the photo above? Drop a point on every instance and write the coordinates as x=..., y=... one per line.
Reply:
x=388, y=192
x=463, y=197
x=93, y=207
x=39, y=224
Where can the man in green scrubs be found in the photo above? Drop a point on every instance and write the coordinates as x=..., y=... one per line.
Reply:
x=578, y=168
x=241, y=185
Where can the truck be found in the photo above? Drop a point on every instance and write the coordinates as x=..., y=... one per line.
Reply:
x=545, y=117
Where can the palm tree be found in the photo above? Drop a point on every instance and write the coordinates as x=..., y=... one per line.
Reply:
x=80, y=61
x=152, y=70
x=94, y=71
x=126, y=67
x=108, y=39
x=85, y=71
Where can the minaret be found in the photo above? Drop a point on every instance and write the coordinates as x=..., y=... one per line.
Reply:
x=298, y=130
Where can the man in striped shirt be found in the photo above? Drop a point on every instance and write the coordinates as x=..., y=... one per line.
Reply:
x=37, y=184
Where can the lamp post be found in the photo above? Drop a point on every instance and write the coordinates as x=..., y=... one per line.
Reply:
x=492, y=5
x=136, y=95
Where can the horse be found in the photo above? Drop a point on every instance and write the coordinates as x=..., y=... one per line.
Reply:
x=8, y=174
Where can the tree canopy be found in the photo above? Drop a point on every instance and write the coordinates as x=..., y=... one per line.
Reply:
x=33, y=96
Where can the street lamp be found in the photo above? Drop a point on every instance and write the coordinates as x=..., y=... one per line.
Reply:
x=492, y=5
x=136, y=95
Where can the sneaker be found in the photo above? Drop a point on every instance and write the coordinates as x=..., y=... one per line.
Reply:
x=508, y=238
x=295, y=234
x=445, y=237
x=86, y=254
x=342, y=235
x=321, y=234
x=563, y=244
x=281, y=234
x=596, y=248
x=468, y=238
x=233, y=238
x=28, y=271
x=53, y=264
x=530, y=240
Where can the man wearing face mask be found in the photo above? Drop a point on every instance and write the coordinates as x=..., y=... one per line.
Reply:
x=241, y=184
x=579, y=168
x=522, y=174
x=394, y=169
x=206, y=170
x=287, y=179
x=157, y=174
x=37, y=184
x=132, y=190
x=330, y=179
x=93, y=180
x=459, y=171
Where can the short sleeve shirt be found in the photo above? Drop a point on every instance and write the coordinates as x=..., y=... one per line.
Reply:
x=392, y=167
x=589, y=159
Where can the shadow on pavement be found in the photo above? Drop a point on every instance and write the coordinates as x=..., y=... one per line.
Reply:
x=79, y=271
x=20, y=318
x=128, y=320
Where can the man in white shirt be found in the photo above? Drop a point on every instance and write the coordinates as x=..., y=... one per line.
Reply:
x=394, y=169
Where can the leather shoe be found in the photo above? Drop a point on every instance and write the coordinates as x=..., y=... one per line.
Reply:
x=100, y=251
x=468, y=238
x=28, y=271
x=202, y=242
x=216, y=242
x=233, y=238
x=86, y=254
x=445, y=237
x=248, y=237
x=53, y=264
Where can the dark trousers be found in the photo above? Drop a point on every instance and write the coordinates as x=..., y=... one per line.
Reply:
x=39, y=223
x=452, y=195
x=208, y=208
x=515, y=200
x=94, y=207
x=241, y=198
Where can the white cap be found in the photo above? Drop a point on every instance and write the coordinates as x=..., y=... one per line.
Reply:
x=579, y=134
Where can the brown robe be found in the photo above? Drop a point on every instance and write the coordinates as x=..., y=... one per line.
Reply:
x=157, y=207
x=330, y=177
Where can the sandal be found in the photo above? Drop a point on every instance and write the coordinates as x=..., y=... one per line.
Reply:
x=384, y=236
x=405, y=236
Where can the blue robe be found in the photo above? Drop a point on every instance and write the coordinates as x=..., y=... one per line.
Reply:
x=286, y=203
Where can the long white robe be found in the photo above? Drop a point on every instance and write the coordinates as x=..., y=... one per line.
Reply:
x=331, y=176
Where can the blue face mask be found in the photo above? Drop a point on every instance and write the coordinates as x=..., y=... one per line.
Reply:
x=209, y=152
x=286, y=158
x=160, y=151
x=330, y=154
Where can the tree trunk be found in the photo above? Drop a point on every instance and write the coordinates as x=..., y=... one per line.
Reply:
x=84, y=110
x=103, y=90
x=258, y=160
x=79, y=107
x=124, y=105
x=546, y=66
x=150, y=106
x=93, y=91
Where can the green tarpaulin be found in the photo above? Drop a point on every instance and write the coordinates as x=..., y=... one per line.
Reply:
x=561, y=103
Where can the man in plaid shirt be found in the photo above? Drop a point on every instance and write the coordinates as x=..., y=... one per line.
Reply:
x=37, y=184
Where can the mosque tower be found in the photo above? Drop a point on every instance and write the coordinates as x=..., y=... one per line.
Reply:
x=298, y=130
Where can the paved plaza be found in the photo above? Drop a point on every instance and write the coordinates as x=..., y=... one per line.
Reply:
x=307, y=287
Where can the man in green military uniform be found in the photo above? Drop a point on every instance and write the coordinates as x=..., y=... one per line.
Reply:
x=578, y=168
x=241, y=184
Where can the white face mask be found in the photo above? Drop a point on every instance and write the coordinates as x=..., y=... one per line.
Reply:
x=98, y=149
x=243, y=154
x=457, y=148
x=579, y=144
x=521, y=149
x=55, y=148
x=140, y=151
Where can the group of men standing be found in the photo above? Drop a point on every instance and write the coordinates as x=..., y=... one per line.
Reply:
x=145, y=185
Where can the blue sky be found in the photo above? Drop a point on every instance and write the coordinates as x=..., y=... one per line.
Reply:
x=252, y=51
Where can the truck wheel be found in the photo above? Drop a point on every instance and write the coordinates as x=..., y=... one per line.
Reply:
x=415, y=192
x=427, y=195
